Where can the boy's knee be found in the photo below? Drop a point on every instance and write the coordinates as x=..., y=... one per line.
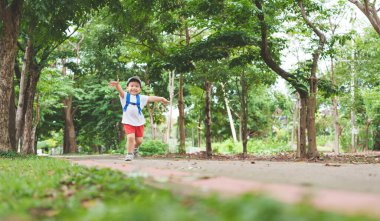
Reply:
x=131, y=140
x=138, y=142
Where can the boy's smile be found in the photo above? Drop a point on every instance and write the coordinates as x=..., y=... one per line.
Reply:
x=133, y=88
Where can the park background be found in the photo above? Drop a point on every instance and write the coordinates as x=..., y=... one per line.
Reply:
x=245, y=77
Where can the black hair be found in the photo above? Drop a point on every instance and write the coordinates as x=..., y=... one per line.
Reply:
x=134, y=80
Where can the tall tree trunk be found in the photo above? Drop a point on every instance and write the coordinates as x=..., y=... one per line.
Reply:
x=377, y=140
x=244, y=112
x=12, y=120
x=181, y=108
x=294, y=127
x=334, y=108
x=69, y=143
x=10, y=19
x=20, y=115
x=199, y=132
x=337, y=128
x=208, y=118
x=230, y=118
x=311, y=130
x=368, y=123
x=34, y=74
x=353, y=124
x=171, y=97
x=301, y=146
x=151, y=120
x=35, y=124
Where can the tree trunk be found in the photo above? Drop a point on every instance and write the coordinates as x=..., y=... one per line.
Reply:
x=69, y=143
x=244, y=113
x=10, y=18
x=199, y=132
x=171, y=97
x=294, y=127
x=20, y=115
x=311, y=130
x=181, y=108
x=337, y=129
x=27, y=145
x=301, y=146
x=208, y=118
x=35, y=124
x=353, y=125
x=151, y=119
x=12, y=120
x=231, y=120
x=368, y=123
x=377, y=140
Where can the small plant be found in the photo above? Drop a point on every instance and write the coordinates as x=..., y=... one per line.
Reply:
x=153, y=147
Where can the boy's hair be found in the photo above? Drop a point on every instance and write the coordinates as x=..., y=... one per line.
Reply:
x=134, y=79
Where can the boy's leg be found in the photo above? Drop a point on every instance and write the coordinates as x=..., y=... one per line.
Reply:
x=138, y=142
x=139, y=138
x=131, y=143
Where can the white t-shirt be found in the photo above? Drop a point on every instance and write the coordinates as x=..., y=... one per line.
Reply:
x=132, y=116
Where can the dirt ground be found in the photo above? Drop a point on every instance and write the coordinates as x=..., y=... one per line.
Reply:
x=350, y=177
x=341, y=185
x=357, y=177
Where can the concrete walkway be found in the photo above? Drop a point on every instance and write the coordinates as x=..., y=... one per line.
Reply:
x=343, y=188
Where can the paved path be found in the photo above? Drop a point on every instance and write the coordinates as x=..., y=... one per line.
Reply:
x=344, y=188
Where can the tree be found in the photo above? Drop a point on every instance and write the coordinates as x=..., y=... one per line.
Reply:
x=47, y=29
x=368, y=8
x=307, y=95
x=10, y=13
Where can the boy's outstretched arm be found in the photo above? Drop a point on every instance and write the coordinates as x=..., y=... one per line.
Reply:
x=158, y=99
x=118, y=87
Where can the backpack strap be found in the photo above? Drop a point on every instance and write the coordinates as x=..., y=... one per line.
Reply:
x=138, y=103
x=128, y=101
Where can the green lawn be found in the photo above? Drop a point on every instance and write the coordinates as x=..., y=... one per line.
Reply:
x=38, y=188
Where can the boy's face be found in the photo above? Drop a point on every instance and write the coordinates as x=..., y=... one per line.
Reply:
x=133, y=88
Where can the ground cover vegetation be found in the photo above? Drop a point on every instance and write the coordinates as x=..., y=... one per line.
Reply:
x=54, y=189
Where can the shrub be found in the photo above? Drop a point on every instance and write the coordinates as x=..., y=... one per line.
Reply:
x=153, y=147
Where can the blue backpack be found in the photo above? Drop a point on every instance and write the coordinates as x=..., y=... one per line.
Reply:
x=128, y=102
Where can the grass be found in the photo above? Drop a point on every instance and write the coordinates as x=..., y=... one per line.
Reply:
x=35, y=188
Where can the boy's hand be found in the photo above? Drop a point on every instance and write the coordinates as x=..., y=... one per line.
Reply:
x=114, y=83
x=164, y=101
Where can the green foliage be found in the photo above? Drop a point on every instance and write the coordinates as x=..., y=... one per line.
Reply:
x=9, y=154
x=153, y=147
x=254, y=146
x=267, y=146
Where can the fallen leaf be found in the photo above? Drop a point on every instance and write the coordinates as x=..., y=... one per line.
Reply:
x=332, y=165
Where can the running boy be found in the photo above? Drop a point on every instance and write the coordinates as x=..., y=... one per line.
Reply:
x=133, y=119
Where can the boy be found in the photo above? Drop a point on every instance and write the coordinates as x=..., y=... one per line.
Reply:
x=133, y=120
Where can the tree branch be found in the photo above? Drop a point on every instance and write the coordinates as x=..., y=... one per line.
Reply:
x=265, y=50
x=321, y=36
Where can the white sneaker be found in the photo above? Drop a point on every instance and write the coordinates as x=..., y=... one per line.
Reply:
x=136, y=152
x=129, y=157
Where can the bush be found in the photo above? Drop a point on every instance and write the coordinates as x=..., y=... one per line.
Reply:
x=267, y=146
x=227, y=146
x=153, y=147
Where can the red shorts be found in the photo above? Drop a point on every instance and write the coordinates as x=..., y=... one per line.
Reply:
x=137, y=130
